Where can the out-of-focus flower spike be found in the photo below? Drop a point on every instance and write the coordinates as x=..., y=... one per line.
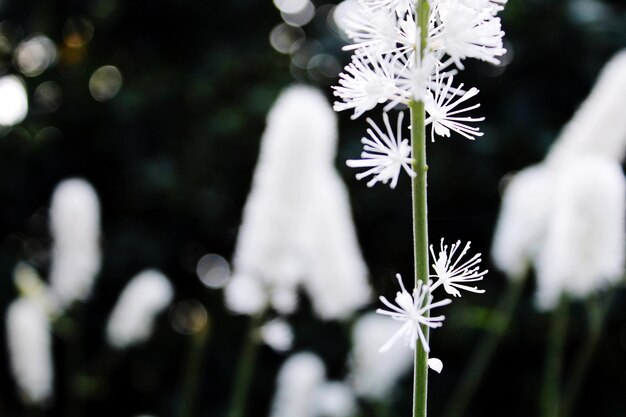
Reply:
x=75, y=227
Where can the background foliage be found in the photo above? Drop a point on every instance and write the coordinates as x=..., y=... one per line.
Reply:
x=172, y=157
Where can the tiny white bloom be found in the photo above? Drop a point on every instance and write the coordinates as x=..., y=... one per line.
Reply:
x=377, y=31
x=435, y=364
x=442, y=114
x=384, y=154
x=367, y=82
x=277, y=334
x=466, y=32
x=414, y=312
x=452, y=275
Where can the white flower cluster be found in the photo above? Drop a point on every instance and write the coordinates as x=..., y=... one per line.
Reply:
x=297, y=229
x=391, y=66
x=565, y=216
x=414, y=311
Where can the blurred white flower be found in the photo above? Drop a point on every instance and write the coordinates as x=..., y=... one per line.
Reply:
x=567, y=218
x=413, y=311
x=29, y=343
x=373, y=374
x=522, y=221
x=13, y=100
x=334, y=399
x=297, y=228
x=245, y=295
x=35, y=54
x=584, y=244
x=385, y=155
x=75, y=227
x=31, y=286
x=599, y=125
x=132, y=320
x=452, y=275
x=298, y=380
x=277, y=334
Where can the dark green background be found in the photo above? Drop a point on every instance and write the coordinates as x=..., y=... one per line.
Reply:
x=172, y=158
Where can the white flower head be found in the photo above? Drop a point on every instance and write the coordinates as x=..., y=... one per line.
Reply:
x=297, y=230
x=414, y=312
x=75, y=227
x=277, y=334
x=298, y=380
x=366, y=82
x=375, y=31
x=468, y=30
x=29, y=343
x=442, y=113
x=334, y=399
x=134, y=315
x=452, y=275
x=374, y=375
x=384, y=154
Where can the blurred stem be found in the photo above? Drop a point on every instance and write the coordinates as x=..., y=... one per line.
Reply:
x=554, y=360
x=33, y=411
x=69, y=330
x=497, y=325
x=420, y=216
x=245, y=368
x=195, y=364
x=597, y=309
x=382, y=409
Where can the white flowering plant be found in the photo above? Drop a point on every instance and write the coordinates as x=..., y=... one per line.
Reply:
x=406, y=54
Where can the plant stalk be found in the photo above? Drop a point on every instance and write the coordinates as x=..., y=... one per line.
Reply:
x=245, y=369
x=420, y=215
x=597, y=310
x=195, y=363
x=554, y=360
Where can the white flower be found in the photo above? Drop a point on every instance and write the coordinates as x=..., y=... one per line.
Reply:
x=298, y=380
x=442, y=114
x=452, y=275
x=75, y=227
x=334, y=399
x=384, y=154
x=277, y=334
x=414, y=312
x=398, y=6
x=598, y=127
x=373, y=374
x=29, y=343
x=377, y=31
x=366, y=82
x=522, y=221
x=584, y=244
x=466, y=32
x=245, y=295
x=134, y=315
x=297, y=229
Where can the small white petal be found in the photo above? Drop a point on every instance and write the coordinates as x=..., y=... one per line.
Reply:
x=435, y=364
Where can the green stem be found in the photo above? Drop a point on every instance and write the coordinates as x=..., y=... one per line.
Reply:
x=245, y=369
x=420, y=214
x=195, y=363
x=496, y=325
x=554, y=360
x=597, y=310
